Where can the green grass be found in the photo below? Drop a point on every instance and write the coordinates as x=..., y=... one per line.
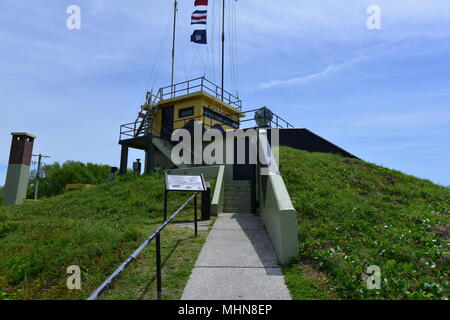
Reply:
x=353, y=214
x=179, y=252
x=96, y=229
x=306, y=283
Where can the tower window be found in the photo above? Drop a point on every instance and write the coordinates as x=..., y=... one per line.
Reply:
x=186, y=112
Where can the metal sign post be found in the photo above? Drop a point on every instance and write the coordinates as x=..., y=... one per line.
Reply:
x=206, y=203
x=195, y=214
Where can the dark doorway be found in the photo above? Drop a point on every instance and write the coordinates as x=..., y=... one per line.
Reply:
x=167, y=122
x=243, y=171
x=246, y=171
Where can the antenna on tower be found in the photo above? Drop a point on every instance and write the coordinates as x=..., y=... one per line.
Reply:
x=175, y=9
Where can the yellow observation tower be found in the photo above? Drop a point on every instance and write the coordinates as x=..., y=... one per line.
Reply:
x=176, y=107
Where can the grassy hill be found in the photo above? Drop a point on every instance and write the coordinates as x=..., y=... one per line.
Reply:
x=352, y=215
x=96, y=229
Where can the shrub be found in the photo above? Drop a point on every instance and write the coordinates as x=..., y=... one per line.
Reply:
x=71, y=172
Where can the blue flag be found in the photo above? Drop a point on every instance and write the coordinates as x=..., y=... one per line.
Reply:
x=199, y=36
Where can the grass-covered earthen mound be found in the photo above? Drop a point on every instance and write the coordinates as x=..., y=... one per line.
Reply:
x=352, y=215
x=96, y=229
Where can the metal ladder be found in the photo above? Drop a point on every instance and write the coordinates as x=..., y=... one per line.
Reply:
x=146, y=124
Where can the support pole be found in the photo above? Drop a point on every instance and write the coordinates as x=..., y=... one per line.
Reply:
x=223, y=46
x=175, y=8
x=206, y=203
x=195, y=214
x=158, y=266
x=37, y=177
x=149, y=156
x=38, y=174
x=123, y=160
x=165, y=205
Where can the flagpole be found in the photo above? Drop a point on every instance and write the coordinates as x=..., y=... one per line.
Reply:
x=175, y=6
x=223, y=44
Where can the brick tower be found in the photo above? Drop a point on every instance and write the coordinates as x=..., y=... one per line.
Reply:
x=18, y=168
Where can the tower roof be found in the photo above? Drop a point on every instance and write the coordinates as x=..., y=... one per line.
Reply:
x=23, y=134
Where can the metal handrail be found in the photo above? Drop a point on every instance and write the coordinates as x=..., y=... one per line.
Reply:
x=205, y=86
x=156, y=235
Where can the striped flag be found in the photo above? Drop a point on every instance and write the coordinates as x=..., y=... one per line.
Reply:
x=199, y=17
x=201, y=3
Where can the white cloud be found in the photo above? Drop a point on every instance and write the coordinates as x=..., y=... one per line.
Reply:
x=304, y=79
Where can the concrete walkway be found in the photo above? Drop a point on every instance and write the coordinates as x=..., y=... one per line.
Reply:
x=237, y=262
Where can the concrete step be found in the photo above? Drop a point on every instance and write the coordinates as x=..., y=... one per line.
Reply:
x=237, y=210
x=239, y=182
x=247, y=190
x=237, y=205
x=237, y=187
x=237, y=195
x=236, y=201
x=238, y=198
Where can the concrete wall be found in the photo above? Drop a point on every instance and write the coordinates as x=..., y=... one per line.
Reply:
x=15, y=190
x=161, y=160
x=219, y=191
x=277, y=212
x=279, y=217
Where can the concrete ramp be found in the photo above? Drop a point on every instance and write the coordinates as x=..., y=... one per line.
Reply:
x=237, y=262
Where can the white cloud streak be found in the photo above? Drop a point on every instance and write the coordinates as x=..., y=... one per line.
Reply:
x=303, y=79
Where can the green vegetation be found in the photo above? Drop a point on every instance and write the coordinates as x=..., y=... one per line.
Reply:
x=96, y=229
x=71, y=172
x=354, y=214
x=306, y=283
x=1, y=196
x=179, y=254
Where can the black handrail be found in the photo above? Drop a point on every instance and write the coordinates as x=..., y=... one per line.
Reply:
x=204, y=85
x=156, y=235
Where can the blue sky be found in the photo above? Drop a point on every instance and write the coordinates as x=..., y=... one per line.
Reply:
x=383, y=95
